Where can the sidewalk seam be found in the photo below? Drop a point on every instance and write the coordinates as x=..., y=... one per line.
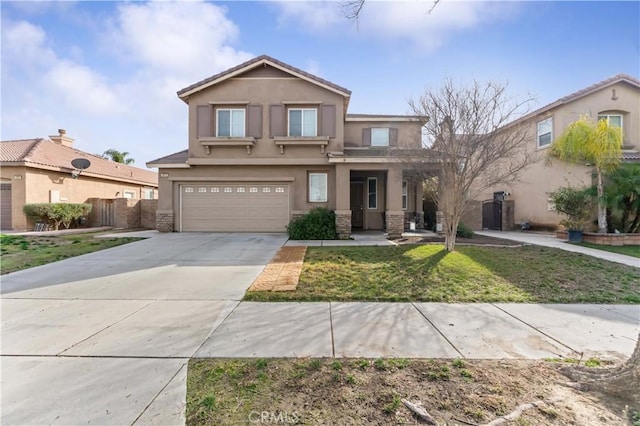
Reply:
x=437, y=329
x=159, y=392
x=105, y=328
x=333, y=342
x=536, y=329
x=214, y=330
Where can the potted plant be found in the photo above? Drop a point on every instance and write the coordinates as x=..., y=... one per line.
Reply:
x=575, y=204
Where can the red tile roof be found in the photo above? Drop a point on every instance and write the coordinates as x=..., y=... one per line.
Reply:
x=256, y=62
x=46, y=154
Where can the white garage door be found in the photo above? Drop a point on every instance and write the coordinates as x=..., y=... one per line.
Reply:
x=235, y=207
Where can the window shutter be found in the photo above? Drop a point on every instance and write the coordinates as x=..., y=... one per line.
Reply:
x=328, y=121
x=204, y=121
x=393, y=136
x=277, y=121
x=254, y=121
x=366, y=137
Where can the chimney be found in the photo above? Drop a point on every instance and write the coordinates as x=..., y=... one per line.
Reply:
x=61, y=138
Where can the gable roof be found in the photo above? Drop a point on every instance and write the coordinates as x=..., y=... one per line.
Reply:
x=254, y=63
x=45, y=154
x=618, y=78
x=177, y=159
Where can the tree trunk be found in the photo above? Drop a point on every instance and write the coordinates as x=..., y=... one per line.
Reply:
x=602, y=213
x=620, y=383
x=449, y=238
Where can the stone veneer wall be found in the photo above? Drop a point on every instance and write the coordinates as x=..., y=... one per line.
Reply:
x=164, y=220
x=395, y=223
x=343, y=224
x=409, y=216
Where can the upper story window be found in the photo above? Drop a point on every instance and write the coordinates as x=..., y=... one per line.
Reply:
x=612, y=119
x=230, y=123
x=379, y=136
x=303, y=122
x=545, y=132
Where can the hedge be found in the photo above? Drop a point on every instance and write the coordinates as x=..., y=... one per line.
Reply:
x=318, y=224
x=56, y=214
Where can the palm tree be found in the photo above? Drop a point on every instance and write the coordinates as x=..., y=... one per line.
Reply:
x=598, y=143
x=623, y=195
x=117, y=156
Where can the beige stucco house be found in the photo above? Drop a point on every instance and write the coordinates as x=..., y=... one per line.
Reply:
x=40, y=171
x=616, y=99
x=268, y=142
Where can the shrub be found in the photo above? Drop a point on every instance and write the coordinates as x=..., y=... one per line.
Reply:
x=318, y=224
x=575, y=204
x=56, y=214
x=464, y=231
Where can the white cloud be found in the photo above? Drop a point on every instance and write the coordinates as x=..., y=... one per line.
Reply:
x=404, y=20
x=187, y=39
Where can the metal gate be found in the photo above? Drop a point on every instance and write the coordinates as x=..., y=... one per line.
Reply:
x=107, y=212
x=492, y=215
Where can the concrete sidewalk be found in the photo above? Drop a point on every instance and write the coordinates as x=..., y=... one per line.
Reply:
x=425, y=330
x=550, y=240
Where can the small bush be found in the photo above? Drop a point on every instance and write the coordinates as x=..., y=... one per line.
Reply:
x=464, y=231
x=56, y=214
x=318, y=224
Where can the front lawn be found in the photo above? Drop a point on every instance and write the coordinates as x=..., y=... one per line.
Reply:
x=23, y=252
x=628, y=250
x=427, y=273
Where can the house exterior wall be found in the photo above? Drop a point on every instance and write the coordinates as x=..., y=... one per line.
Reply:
x=35, y=186
x=531, y=193
x=265, y=92
x=409, y=133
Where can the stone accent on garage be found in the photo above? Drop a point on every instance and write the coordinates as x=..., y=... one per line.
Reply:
x=165, y=220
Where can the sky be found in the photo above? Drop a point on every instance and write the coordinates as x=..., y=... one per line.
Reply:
x=108, y=72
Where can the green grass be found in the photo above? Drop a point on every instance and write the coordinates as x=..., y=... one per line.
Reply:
x=23, y=252
x=470, y=274
x=627, y=250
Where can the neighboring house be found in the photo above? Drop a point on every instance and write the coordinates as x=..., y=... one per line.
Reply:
x=616, y=99
x=40, y=171
x=268, y=142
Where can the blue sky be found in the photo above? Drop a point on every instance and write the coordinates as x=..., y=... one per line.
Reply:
x=108, y=72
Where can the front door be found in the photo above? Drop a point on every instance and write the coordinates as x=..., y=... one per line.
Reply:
x=357, y=205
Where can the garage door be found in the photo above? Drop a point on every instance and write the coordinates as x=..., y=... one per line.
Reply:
x=235, y=207
x=5, y=206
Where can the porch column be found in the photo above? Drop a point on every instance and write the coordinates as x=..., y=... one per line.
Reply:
x=343, y=201
x=394, y=213
x=419, y=206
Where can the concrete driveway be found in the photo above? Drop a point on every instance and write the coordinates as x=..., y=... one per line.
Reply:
x=104, y=338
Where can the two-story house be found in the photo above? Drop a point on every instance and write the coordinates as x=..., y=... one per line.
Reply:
x=616, y=99
x=268, y=142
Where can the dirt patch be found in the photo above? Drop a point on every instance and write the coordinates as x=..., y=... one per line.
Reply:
x=283, y=271
x=479, y=240
x=365, y=391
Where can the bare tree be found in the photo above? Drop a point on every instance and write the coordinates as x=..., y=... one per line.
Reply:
x=351, y=8
x=476, y=142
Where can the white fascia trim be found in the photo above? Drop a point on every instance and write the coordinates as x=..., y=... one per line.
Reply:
x=169, y=165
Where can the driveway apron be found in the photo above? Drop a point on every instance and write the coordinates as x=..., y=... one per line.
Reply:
x=104, y=338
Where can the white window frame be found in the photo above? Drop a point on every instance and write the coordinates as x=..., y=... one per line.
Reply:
x=231, y=111
x=322, y=197
x=369, y=193
x=382, y=131
x=550, y=132
x=405, y=195
x=131, y=193
x=147, y=193
x=302, y=110
x=608, y=117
